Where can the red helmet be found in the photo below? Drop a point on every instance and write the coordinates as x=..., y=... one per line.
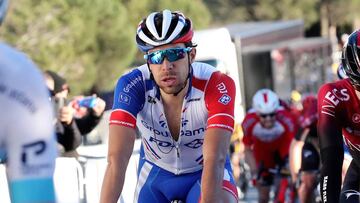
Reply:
x=161, y=28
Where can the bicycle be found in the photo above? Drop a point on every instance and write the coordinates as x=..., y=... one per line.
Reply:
x=286, y=192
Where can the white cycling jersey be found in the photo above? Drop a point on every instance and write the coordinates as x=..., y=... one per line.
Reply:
x=27, y=140
x=209, y=103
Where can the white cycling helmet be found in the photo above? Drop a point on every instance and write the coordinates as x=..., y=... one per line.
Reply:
x=265, y=101
x=3, y=9
x=161, y=28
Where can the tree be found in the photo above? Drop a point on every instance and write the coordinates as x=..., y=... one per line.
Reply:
x=88, y=42
x=288, y=9
x=255, y=10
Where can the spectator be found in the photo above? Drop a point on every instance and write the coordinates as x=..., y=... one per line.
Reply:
x=69, y=128
x=304, y=155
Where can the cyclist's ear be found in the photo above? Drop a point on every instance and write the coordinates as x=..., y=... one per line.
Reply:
x=192, y=54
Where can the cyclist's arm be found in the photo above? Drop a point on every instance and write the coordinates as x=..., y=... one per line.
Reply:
x=248, y=143
x=219, y=98
x=68, y=135
x=250, y=159
x=121, y=143
x=31, y=148
x=331, y=150
x=296, y=146
x=215, y=148
x=127, y=103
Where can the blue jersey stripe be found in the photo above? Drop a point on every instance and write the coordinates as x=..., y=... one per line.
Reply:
x=32, y=190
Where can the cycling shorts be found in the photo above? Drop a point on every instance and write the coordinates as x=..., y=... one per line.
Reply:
x=310, y=159
x=351, y=188
x=158, y=185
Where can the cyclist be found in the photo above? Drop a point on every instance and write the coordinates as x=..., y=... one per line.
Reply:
x=268, y=129
x=304, y=155
x=184, y=113
x=27, y=140
x=339, y=117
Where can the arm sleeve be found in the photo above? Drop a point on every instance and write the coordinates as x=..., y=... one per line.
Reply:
x=246, y=125
x=87, y=123
x=68, y=135
x=129, y=98
x=331, y=148
x=32, y=150
x=220, y=99
x=298, y=134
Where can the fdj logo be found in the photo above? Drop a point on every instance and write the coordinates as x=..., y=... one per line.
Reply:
x=225, y=99
x=160, y=143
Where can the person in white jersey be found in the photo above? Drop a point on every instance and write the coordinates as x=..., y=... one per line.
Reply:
x=27, y=140
x=184, y=112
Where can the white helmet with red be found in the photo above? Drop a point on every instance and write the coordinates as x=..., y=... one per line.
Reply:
x=265, y=101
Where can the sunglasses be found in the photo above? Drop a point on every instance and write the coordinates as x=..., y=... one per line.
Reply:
x=267, y=115
x=173, y=54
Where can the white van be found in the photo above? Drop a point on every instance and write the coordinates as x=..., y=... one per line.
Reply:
x=214, y=47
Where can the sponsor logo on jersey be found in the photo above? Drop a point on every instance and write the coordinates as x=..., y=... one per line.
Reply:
x=23, y=99
x=187, y=133
x=163, y=124
x=222, y=88
x=349, y=193
x=193, y=100
x=30, y=157
x=356, y=118
x=194, y=132
x=225, y=99
x=342, y=95
x=156, y=132
x=332, y=99
x=195, y=143
x=307, y=153
x=132, y=83
x=124, y=98
x=324, y=192
x=161, y=143
x=184, y=122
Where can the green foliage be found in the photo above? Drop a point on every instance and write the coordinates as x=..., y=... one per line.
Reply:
x=88, y=42
x=254, y=10
x=288, y=9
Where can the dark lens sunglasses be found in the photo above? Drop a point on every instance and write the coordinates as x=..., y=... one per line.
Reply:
x=171, y=55
x=268, y=115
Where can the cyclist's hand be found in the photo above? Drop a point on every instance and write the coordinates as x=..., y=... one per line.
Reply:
x=99, y=106
x=66, y=114
x=253, y=181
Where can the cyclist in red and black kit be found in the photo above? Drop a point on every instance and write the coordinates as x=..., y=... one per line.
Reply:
x=339, y=121
x=304, y=155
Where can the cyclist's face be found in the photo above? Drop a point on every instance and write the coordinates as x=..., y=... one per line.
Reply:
x=171, y=76
x=267, y=120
